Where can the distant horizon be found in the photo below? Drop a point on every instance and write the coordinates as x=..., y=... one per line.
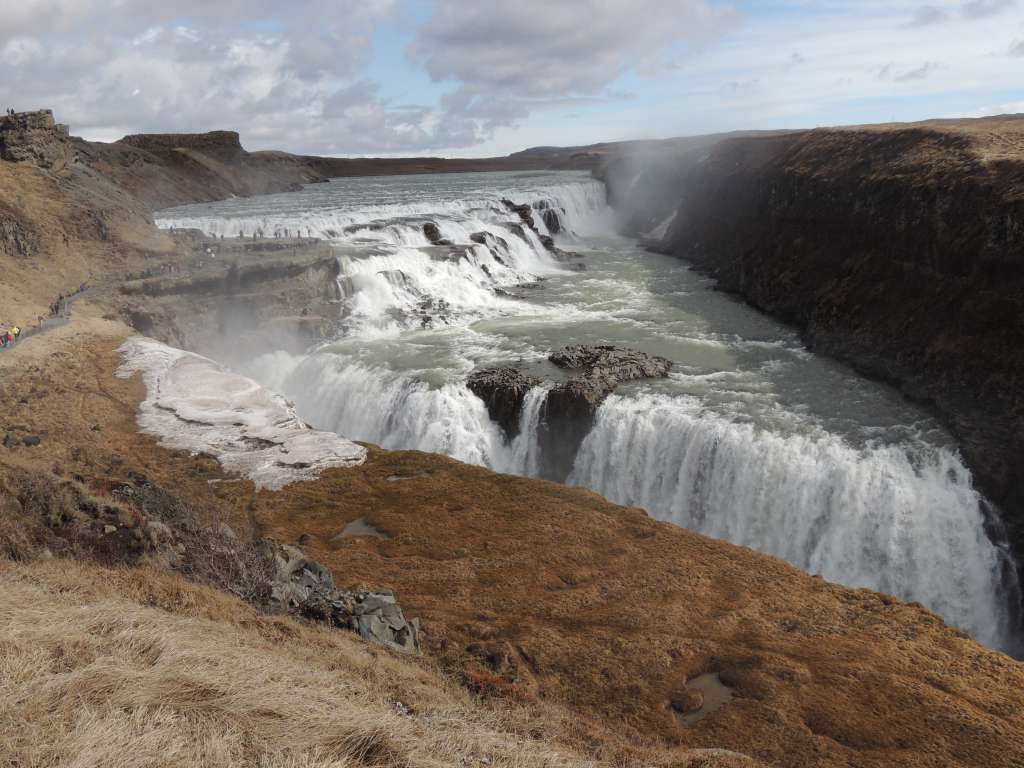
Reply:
x=369, y=156
x=451, y=78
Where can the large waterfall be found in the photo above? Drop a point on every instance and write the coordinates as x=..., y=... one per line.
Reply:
x=752, y=439
x=899, y=519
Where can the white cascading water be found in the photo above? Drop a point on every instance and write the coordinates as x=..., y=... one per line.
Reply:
x=877, y=517
x=390, y=277
x=898, y=516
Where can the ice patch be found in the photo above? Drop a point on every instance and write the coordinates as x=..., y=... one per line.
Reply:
x=197, y=405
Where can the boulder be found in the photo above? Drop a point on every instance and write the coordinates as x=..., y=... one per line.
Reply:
x=433, y=234
x=503, y=390
x=549, y=215
x=303, y=586
x=524, y=212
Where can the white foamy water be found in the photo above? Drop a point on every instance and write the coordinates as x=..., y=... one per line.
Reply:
x=899, y=519
x=751, y=439
x=391, y=278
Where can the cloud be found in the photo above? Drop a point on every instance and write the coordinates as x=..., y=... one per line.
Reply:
x=536, y=48
x=1017, y=48
x=918, y=73
x=980, y=9
x=284, y=80
x=927, y=15
x=890, y=72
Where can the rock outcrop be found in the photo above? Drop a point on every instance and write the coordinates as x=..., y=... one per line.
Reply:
x=549, y=216
x=551, y=221
x=303, y=586
x=225, y=146
x=15, y=238
x=570, y=406
x=503, y=390
x=433, y=233
x=600, y=369
x=34, y=137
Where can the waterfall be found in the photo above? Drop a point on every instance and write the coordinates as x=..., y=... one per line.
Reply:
x=883, y=517
x=724, y=458
x=373, y=403
x=390, y=278
x=524, y=452
x=581, y=206
x=880, y=517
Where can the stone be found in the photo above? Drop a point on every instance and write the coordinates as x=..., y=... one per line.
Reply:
x=687, y=700
x=30, y=441
x=524, y=212
x=433, y=234
x=108, y=529
x=303, y=586
x=549, y=215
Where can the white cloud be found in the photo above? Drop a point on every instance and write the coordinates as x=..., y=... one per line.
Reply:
x=980, y=9
x=928, y=14
x=537, y=48
x=292, y=83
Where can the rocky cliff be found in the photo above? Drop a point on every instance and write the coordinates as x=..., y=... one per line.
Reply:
x=34, y=137
x=896, y=249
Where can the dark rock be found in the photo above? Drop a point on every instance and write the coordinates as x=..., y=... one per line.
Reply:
x=498, y=246
x=30, y=441
x=571, y=407
x=16, y=239
x=10, y=441
x=524, y=212
x=626, y=364
x=433, y=234
x=34, y=137
x=303, y=586
x=503, y=391
x=549, y=215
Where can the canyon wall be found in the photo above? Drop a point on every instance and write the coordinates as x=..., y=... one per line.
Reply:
x=898, y=250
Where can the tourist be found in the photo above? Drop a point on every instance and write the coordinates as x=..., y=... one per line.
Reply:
x=15, y=332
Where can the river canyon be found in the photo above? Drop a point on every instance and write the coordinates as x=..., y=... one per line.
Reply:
x=751, y=438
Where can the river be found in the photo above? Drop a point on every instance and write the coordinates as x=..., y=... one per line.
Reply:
x=751, y=438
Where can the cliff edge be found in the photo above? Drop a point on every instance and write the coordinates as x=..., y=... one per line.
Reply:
x=898, y=249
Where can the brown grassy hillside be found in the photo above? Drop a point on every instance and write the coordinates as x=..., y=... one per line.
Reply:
x=547, y=596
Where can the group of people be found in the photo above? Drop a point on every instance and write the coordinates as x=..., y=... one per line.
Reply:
x=9, y=337
x=59, y=308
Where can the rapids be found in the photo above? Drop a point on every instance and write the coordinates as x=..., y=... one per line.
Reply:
x=751, y=439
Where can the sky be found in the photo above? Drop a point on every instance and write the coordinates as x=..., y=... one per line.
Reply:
x=476, y=78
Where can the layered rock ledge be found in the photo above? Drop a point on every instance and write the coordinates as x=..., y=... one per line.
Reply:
x=570, y=406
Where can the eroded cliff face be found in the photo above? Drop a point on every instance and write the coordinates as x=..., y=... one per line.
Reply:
x=897, y=250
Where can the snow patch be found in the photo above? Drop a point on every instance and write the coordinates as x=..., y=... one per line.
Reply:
x=197, y=405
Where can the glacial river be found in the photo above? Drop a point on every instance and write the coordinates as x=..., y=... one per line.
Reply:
x=751, y=439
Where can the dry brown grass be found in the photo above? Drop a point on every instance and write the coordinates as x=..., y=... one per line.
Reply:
x=138, y=668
